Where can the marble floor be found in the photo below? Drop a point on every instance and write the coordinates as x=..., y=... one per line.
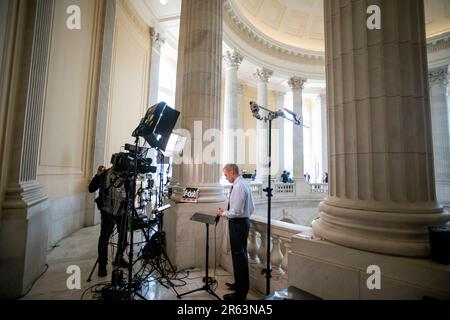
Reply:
x=80, y=250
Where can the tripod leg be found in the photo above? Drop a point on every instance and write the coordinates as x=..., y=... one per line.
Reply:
x=92, y=271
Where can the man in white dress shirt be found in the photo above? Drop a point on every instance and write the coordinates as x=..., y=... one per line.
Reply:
x=240, y=208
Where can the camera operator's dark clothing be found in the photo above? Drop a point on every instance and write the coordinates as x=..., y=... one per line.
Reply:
x=111, y=204
x=112, y=192
x=107, y=228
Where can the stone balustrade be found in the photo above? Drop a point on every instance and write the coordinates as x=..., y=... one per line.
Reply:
x=279, y=189
x=257, y=189
x=284, y=188
x=280, y=243
x=319, y=187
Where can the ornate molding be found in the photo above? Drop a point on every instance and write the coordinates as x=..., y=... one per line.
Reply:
x=268, y=44
x=438, y=43
x=263, y=75
x=233, y=58
x=297, y=83
x=438, y=76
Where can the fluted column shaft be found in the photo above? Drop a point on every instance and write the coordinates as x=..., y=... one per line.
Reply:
x=381, y=194
x=198, y=97
x=279, y=101
x=262, y=77
x=323, y=114
x=441, y=135
x=157, y=43
x=297, y=84
x=24, y=219
x=231, y=110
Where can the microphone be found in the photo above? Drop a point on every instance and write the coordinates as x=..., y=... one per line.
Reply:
x=217, y=219
x=296, y=119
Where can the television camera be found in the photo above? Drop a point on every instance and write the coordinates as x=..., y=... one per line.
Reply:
x=124, y=162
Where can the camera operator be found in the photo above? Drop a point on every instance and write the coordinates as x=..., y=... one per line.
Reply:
x=112, y=205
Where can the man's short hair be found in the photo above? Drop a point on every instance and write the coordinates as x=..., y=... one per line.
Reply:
x=231, y=167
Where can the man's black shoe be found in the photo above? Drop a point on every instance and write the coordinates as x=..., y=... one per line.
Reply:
x=121, y=263
x=231, y=286
x=229, y=297
x=102, y=270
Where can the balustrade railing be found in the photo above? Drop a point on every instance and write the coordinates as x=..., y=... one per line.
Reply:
x=280, y=243
x=284, y=188
x=319, y=187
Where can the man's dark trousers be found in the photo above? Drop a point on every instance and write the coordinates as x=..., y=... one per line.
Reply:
x=108, y=221
x=239, y=229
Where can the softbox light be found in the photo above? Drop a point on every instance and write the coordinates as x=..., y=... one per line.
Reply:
x=157, y=125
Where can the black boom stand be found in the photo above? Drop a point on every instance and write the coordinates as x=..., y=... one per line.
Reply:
x=271, y=115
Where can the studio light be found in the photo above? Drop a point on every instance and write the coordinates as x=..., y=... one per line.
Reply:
x=157, y=125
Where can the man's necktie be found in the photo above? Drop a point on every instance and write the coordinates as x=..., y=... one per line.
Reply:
x=231, y=190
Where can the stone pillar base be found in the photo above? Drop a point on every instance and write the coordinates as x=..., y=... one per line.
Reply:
x=23, y=239
x=302, y=187
x=186, y=239
x=402, y=232
x=208, y=193
x=332, y=271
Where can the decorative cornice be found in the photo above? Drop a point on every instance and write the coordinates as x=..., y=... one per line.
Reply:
x=270, y=45
x=263, y=75
x=297, y=83
x=233, y=58
x=438, y=76
x=438, y=43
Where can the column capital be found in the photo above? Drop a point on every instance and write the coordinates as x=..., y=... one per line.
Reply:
x=157, y=40
x=296, y=83
x=263, y=75
x=438, y=76
x=233, y=58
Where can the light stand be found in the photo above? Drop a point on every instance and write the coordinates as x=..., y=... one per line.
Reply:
x=271, y=115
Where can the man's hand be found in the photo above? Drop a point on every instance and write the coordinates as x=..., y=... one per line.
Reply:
x=100, y=170
x=220, y=212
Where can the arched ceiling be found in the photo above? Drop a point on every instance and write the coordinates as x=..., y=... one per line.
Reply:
x=300, y=24
x=296, y=23
x=286, y=36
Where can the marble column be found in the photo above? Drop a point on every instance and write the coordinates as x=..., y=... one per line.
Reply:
x=262, y=77
x=157, y=43
x=240, y=104
x=198, y=93
x=241, y=153
x=230, y=121
x=297, y=85
x=441, y=135
x=200, y=53
x=382, y=188
x=324, y=121
x=24, y=225
x=279, y=104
